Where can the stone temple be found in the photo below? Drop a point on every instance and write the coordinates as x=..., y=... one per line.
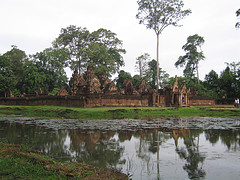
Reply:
x=90, y=91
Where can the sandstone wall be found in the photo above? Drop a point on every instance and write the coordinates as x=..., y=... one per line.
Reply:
x=92, y=100
x=101, y=100
x=196, y=101
x=71, y=101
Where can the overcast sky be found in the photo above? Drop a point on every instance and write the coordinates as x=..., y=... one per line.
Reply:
x=32, y=25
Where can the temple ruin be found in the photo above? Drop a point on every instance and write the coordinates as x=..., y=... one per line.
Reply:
x=90, y=91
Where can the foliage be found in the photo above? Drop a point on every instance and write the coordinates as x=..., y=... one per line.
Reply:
x=54, y=91
x=159, y=14
x=16, y=59
x=212, y=80
x=52, y=62
x=45, y=70
x=192, y=57
x=122, y=76
x=105, y=52
x=181, y=81
x=227, y=84
x=151, y=74
x=238, y=15
x=7, y=77
x=141, y=64
x=75, y=41
x=34, y=77
x=101, y=48
x=202, y=90
x=136, y=80
x=53, y=59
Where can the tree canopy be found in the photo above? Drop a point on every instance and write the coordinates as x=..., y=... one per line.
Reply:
x=151, y=74
x=7, y=78
x=141, y=64
x=102, y=49
x=192, y=57
x=159, y=14
x=75, y=41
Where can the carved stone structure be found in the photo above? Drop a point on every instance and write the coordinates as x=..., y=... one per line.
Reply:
x=128, y=88
x=143, y=88
x=73, y=83
x=62, y=92
x=90, y=91
x=179, y=94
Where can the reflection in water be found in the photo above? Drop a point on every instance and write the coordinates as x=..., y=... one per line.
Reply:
x=190, y=153
x=95, y=147
x=144, y=154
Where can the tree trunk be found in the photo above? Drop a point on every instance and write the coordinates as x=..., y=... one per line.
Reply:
x=197, y=72
x=157, y=62
x=79, y=66
x=140, y=69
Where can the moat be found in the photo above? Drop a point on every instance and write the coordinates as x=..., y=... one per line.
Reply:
x=170, y=148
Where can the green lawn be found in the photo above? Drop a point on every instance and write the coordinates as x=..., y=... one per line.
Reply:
x=120, y=112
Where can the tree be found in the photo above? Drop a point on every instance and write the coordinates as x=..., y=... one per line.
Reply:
x=212, y=79
x=122, y=76
x=151, y=75
x=227, y=83
x=141, y=64
x=45, y=70
x=104, y=52
x=211, y=82
x=136, y=80
x=52, y=62
x=34, y=77
x=7, y=78
x=16, y=59
x=102, y=49
x=235, y=72
x=75, y=41
x=192, y=57
x=159, y=14
x=234, y=68
x=238, y=15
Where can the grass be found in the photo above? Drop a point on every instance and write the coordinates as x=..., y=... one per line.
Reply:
x=120, y=112
x=14, y=164
x=18, y=162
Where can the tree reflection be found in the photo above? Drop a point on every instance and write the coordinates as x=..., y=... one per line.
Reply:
x=150, y=142
x=194, y=159
x=96, y=147
x=48, y=141
x=230, y=138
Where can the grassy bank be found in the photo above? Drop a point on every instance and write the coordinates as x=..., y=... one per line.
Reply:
x=120, y=112
x=18, y=162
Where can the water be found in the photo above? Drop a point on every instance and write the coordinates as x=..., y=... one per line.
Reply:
x=142, y=152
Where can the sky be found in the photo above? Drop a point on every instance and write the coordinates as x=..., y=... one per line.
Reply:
x=32, y=25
